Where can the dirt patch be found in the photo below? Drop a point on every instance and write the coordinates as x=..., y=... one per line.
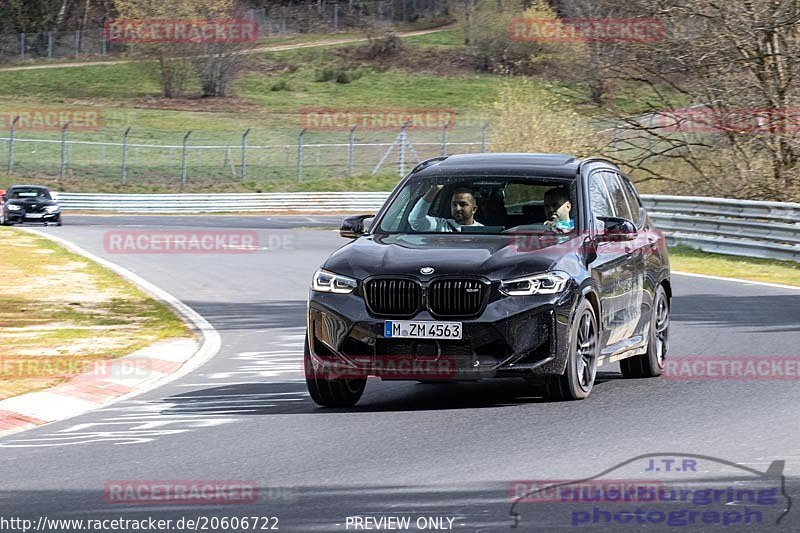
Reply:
x=209, y=104
x=437, y=61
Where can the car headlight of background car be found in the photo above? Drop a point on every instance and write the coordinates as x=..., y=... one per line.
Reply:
x=325, y=281
x=13, y=207
x=546, y=283
x=52, y=209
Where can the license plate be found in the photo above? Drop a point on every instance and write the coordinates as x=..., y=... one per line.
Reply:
x=34, y=215
x=401, y=329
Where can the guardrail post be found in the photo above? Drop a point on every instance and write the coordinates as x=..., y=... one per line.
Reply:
x=124, y=171
x=350, y=147
x=484, y=128
x=184, y=156
x=244, y=155
x=49, y=44
x=63, y=150
x=444, y=139
x=11, y=145
x=22, y=46
x=300, y=155
x=77, y=44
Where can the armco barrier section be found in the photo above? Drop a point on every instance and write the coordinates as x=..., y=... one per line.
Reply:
x=768, y=230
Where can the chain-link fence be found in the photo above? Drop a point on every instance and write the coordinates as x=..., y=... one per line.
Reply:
x=206, y=158
x=275, y=20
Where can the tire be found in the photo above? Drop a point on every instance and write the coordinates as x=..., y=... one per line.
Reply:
x=58, y=221
x=331, y=393
x=584, y=348
x=651, y=363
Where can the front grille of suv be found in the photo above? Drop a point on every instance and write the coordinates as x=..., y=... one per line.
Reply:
x=445, y=297
x=393, y=296
x=456, y=297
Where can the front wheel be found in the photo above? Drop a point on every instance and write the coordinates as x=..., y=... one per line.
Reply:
x=651, y=364
x=342, y=392
x=584, y=347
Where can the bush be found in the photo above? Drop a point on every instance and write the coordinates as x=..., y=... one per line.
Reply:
x=337, y=75
x=383, y=45
x=534, y=120
x=280, y=85
x=487, y=33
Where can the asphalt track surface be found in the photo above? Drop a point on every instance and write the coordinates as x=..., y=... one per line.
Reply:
x=407, y=449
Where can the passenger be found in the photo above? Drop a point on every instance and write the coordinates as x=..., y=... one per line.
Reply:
x=462, y=206
x=556, y=210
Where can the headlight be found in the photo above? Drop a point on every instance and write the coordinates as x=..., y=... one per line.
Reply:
x=13, y=207
x=325, y=281
x=547, y=283
x=51, y=208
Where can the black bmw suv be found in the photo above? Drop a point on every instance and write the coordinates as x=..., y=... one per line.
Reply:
x=539, y=266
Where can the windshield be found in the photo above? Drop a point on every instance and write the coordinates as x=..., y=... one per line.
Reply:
x=30, y=192
x=487, y=205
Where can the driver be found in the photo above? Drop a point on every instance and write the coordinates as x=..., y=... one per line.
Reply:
x=462, y=206
x=556, y=210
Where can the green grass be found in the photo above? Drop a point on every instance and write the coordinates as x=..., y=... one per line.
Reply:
x=446, y=38
x=686, y=259
x=59, y=307
x=128, y=95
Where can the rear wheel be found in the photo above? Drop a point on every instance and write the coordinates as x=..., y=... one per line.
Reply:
x=343, y=392
x=584, y=347
x=651, y=364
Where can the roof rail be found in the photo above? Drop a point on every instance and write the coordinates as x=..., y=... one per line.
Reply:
x=427, y=163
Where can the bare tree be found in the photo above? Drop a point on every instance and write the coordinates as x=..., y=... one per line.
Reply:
x=720, y=106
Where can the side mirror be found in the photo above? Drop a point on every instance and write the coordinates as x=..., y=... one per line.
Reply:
x=617, y=230
x=353, y=227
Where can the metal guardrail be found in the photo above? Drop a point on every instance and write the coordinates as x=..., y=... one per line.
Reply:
x=224, y=203
x=768, y=230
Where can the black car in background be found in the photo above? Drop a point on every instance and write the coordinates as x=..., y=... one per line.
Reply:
x=29, y=203
x=539, y=266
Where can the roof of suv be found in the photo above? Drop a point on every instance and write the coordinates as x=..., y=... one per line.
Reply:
x=510, y=164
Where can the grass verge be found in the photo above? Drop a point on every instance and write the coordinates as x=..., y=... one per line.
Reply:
x=686, y=259
x=61, y=313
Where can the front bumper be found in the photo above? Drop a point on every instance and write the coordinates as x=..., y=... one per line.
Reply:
x=18, y=217
x=514, y=336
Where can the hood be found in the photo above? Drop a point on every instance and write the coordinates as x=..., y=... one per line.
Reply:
x=492, y=256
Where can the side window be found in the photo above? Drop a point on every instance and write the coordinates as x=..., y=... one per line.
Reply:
x=633, y=201
x=616, y=193
x=598, y=198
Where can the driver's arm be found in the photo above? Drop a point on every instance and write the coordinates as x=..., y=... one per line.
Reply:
x=418, y=218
